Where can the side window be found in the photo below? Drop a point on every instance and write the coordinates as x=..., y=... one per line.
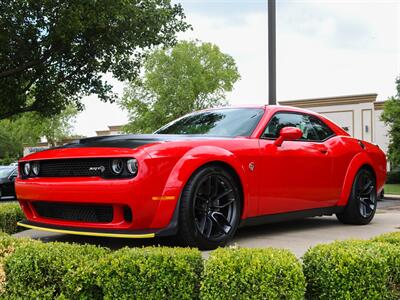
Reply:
x=322, y=130
x=281, y=120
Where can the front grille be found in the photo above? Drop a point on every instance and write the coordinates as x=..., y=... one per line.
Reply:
x=79, y=167
x=75, y=167
x=74, y=212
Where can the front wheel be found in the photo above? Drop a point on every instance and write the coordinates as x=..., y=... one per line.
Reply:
x=210, y=207
x=361, y=207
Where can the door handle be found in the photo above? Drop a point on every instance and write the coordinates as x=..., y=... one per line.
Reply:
x=322, y=149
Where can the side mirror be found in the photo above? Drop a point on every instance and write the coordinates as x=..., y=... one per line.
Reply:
x=288, y=134
x=12, y=177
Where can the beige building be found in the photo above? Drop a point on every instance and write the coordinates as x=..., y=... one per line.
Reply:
x=112, y=130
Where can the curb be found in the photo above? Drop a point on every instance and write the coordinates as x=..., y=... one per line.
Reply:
x=391, y=197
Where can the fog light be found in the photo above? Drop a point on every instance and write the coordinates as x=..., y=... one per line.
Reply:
x=132, y=166
x=35, y=168
x=27, y=169
x=117, y=166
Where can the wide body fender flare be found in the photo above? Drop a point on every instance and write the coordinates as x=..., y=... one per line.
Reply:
x=360, y=160
x=187, y=165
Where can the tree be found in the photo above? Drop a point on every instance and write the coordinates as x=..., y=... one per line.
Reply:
x=190, y=76
x=56, y=52
x=29, y=128
x=391, y=117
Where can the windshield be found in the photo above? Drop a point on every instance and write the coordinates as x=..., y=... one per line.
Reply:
x=228, y=122
x=5, y=172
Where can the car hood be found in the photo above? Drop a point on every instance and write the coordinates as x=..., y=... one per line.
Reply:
x=135, y=140
x=115, y=146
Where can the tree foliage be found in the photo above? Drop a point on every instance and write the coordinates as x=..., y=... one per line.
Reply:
x=55, y=52
x=29, y=128
x=391, y=117
x=190, y=76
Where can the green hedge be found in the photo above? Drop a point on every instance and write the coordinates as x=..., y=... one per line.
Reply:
x=392, y=238
x=43, y=271
x=70, y=271
x=151, y=273
x=8, y=245
x=393, y=256
x=351, y=270
x=10, y=214
x=252, y=274
x=393, y=177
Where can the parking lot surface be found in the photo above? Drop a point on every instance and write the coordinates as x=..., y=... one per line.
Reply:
x=296, y=236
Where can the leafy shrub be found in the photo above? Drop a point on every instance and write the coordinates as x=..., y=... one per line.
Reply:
x=349, y=270
x=151, y=273
x=8, y=245
x=392, y=238
x=43, y=271
x=10, y=214
x=252, y=274
x=393, y=255
x=393, y=177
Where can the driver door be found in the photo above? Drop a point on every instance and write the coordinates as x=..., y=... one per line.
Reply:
x=298, y=174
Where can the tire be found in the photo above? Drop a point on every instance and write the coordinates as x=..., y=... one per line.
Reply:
x=210, y=208
x=381, y=195
x=361, y=208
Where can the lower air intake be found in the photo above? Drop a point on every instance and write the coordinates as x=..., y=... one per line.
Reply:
x=75, y=212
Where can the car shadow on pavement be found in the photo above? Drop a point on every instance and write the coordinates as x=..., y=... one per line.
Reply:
x=261, y=231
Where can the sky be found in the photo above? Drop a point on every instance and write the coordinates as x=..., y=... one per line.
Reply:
x=324, y=48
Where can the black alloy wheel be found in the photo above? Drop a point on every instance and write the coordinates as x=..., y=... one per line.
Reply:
x=362, y=204
x=210, y=208
x=366, y=195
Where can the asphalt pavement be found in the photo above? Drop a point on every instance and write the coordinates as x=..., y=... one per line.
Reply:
x=296, y=236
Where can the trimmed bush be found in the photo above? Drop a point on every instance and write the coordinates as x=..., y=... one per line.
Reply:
x=393, y=177
x=151, y=273
x=43, y=271
x=252, y=274
x=8, y=245
x=391, y=238
x=393, y=255
x=10, y=214
x=350, y=270
x=70, y=271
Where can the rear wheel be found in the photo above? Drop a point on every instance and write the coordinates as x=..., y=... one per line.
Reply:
x=361, y=207
x=210, y=207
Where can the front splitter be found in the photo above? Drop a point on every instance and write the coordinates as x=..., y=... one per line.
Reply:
x=86, y=232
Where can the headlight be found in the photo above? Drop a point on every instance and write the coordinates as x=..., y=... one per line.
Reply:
x=27, y=169
x=132, y=166
x=35, y=168
x=117, y=166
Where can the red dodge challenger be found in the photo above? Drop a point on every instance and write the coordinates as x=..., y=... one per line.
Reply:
x=202, y=176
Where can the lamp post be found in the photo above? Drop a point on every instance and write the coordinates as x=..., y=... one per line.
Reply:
x=271, y=52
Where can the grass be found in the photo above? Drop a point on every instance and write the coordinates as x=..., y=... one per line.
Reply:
x=392, y=189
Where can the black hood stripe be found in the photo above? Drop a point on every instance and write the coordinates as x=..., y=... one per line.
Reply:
x=133, y=141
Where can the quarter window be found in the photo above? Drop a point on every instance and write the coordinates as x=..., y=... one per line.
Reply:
x=321, y=128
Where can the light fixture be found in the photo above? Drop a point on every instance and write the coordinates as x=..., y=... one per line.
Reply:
x=35, y=168
x=132, y=166
x=27, y=169
x=117, y=166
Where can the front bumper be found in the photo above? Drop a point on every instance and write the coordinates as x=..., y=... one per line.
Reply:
x=148, y=214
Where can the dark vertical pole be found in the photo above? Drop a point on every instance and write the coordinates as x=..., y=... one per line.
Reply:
x=272, y=51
